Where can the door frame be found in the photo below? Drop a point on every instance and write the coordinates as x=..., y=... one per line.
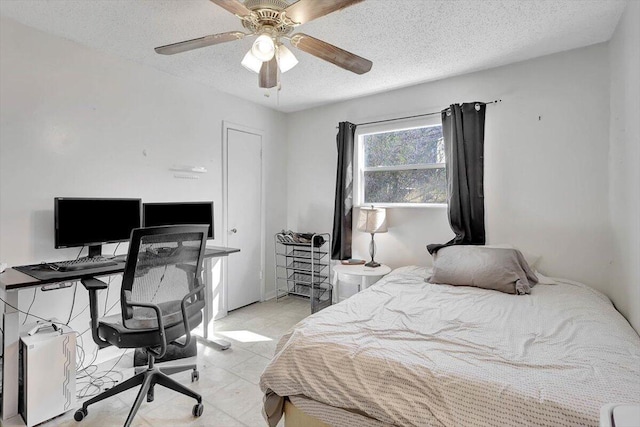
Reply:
x=226, y=126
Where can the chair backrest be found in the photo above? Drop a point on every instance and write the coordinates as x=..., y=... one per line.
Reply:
x=163, y=266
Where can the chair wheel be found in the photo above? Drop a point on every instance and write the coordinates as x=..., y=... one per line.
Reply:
x=150, y=394
x=198, y=408
x=80, y=414
x=195, y=375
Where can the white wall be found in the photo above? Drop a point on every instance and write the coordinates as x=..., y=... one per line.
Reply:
x=624, y=164
x=75, y=122
x=546, y=144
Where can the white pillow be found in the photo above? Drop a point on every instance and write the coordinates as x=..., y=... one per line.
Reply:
x=532, y=259
x=498, y=269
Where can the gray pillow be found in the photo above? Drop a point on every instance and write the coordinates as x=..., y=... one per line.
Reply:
x=500, y=269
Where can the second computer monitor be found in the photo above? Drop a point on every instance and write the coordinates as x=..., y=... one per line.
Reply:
x=174, y=213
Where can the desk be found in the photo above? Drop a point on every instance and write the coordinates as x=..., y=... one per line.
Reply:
x=11, y=281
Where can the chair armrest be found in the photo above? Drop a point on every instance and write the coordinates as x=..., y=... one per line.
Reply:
x=93, y=285
x=163, y=345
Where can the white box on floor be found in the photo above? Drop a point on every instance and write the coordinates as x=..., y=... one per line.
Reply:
x=48, y=366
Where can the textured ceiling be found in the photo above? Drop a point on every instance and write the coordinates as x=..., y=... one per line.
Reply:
x=409, y=41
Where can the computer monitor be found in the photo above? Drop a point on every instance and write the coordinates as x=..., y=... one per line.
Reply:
x=175, y=213
x=93, y=222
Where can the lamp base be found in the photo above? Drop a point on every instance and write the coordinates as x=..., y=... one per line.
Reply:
x=372, y=264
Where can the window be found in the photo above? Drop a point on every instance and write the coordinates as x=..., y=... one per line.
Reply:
x=401, y=166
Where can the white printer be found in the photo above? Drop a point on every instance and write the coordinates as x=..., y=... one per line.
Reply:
x=48, y=372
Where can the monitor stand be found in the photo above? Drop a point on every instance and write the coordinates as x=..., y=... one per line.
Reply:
x=95, y=251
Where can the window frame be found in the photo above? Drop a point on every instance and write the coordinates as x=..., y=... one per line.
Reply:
x=358, y=156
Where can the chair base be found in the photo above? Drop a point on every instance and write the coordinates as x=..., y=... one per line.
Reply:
x=147, y=378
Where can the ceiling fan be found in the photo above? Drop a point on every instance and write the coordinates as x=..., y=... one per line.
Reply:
x=272, y=21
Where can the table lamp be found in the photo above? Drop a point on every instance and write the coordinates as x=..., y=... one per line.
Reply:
x=372, y=220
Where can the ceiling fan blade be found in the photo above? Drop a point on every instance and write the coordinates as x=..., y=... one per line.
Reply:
x=331, y=53
x=205, y=41
x=306, y=10
x=269, y=74
x=233, y=6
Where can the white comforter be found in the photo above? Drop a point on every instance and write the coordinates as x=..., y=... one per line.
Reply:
x=409, y=353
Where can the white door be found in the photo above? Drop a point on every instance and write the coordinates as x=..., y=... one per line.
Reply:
x=244, y=216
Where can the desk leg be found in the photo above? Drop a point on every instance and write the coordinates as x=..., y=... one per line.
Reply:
x=208, y=309
x=208, y=295
x=10, y=356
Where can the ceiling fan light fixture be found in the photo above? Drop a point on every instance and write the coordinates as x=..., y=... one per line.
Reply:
x=251, y=63
x=273, y=21
x=286, y=58
x=263, y=48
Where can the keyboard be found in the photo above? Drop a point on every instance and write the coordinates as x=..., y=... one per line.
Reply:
x=82, y=264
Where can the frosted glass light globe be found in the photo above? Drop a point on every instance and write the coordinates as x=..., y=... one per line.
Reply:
x=286, y=59
x=263, y=48
x=250, y=62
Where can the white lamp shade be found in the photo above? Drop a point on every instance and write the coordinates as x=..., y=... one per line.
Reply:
x=263, y=48
x=286, y=59
x=251, y=63
x=372, y=220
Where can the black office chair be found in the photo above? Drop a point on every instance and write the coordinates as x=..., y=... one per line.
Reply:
x=161, y=300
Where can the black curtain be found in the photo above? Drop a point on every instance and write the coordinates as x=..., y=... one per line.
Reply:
x=343, y=208
x=463, y=131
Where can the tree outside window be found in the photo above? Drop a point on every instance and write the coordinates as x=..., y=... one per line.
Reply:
x=403, y=166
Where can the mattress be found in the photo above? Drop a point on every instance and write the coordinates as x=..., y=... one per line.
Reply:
x=327, y=415
x=409, y=353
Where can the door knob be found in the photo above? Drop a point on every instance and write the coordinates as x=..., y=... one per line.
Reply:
x=234, y=230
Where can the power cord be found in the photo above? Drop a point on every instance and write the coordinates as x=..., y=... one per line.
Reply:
x=160, y=282
x=106, y=299
x=73, y=302
x=30, y=305
x=30, y=314
x=116, y=249
x=79, y=313
x=97, y=382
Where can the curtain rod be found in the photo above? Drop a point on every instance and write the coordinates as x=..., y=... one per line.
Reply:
x=417, y=115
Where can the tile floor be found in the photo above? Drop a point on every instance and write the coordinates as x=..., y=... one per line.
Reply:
x=228, y=379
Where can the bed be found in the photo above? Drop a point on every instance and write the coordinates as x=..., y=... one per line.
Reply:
x=409, y=353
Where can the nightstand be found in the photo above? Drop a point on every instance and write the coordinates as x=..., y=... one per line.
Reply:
x=368, y=275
